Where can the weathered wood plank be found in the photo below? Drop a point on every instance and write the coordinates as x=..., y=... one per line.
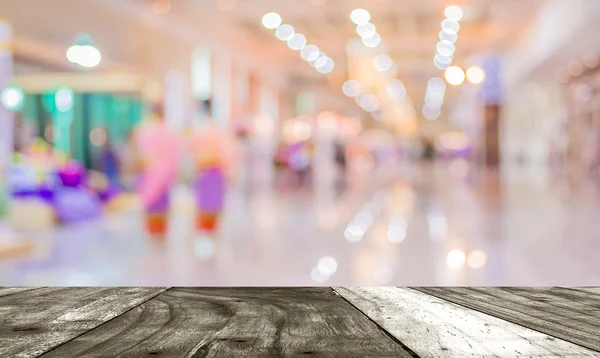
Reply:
x=433, y=327
x=6, y=291
x=594, y=290
x=572, y=315
x=237, y=322
x=34, y=321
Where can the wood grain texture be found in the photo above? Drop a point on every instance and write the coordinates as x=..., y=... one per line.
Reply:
x=237, y=322
x=35, y=321
x=433, y=327
x=6, y=291
x=569, y=314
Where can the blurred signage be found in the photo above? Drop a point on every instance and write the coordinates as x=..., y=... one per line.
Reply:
x=201, y=74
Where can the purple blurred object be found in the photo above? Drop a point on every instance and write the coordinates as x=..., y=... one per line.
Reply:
x=210, y=190
x=75, y=204
x=160, y=206
x=109, y=193
x=72, y=175
x=46, y=194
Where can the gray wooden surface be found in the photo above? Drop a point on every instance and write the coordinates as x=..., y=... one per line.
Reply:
x=291, y=322
x=566, y=313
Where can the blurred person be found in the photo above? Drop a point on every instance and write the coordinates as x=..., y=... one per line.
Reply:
x=109, y=162
x=340, y=160
x=159, y=164
x=215, y=152
x=429, y=152
x=300, y=161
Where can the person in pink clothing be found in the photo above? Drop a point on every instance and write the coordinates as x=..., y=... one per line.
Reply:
x=159, y=150
x=215, y=152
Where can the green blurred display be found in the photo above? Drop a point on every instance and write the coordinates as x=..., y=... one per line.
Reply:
x=117, y=115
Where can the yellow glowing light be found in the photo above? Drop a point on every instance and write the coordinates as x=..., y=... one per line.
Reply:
x=475, y=75
x=477, y=259
x=455, y=75
x=456, y=259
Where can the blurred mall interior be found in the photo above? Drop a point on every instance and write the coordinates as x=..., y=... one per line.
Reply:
x=299, y=142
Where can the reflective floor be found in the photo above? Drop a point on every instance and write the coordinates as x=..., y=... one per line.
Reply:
x=438, y=224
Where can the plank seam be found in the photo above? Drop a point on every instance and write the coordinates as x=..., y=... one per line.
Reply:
x=388, y=334
x=103, y=323
x=500, y=317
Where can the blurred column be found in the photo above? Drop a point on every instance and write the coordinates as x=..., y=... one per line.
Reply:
x=222, y=83
x=7, y=117
x=202, y=86
x=175, y=101
x=491, y=95
x=241, y=91
x=264, y=127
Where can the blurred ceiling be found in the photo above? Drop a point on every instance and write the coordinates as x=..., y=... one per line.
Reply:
x=409, y=30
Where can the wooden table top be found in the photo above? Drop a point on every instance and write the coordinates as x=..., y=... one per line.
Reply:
x=299, y=321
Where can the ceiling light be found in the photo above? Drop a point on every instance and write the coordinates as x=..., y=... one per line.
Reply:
x=367, y=30
x=327, y=67
x=297, y=42
x=445, y=48
x=285, y=32
x=475, y=75
x=321, y=61
x=372, y=42
x=444, y=36
x=455, y=75
x=12, y=98
x=271, y=20
x=436, y=82
x=453, y=13
x=450, y=27
x=310, y=53
x=360, y=16
x=351, y=88
x=383, y=63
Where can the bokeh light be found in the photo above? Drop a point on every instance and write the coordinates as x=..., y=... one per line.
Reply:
x=12, y=98
x=456, y=259
x=475, y=75
x=477, y=259
x=98, y=137
x=285, y=32
x=453, y=13
x=455, y=75
x=271, y=20
x=351, y=88
x=360, y=16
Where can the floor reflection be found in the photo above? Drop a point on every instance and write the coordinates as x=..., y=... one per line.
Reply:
x=440, y=224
